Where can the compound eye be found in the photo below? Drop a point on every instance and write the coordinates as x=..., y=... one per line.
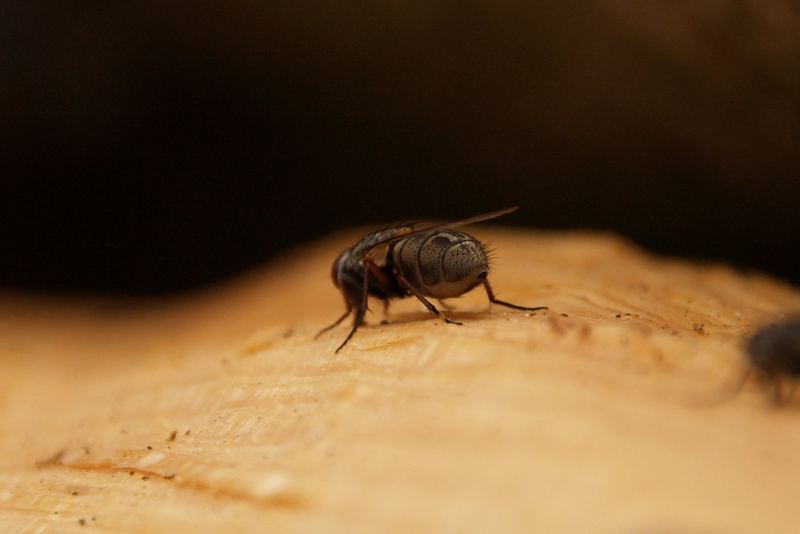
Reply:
x=335, y=268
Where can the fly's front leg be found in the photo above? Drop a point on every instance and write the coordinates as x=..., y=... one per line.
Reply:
x=495, y=300
x=362, y=308
x=337, y=322
x=407, y=286
x=383, y=281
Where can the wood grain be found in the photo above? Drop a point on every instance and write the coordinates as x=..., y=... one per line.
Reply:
x=220, y=412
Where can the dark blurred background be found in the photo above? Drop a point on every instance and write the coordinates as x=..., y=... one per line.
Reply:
x=152, y=147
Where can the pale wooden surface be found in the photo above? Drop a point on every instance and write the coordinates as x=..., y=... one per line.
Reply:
x=513, y=422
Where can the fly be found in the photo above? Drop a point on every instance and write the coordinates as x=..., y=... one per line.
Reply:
x=402, y=260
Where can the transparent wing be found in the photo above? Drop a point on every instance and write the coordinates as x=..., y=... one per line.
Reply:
x=444, y=226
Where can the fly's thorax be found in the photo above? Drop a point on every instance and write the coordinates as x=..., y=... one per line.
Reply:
x=441, y=264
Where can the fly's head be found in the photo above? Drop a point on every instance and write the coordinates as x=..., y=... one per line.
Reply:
x=336, y=269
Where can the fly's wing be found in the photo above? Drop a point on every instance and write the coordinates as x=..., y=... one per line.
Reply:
x=443, y=226
x=373, y=245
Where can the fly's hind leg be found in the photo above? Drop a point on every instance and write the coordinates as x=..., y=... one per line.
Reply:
x=495, y=300
x=431, y=308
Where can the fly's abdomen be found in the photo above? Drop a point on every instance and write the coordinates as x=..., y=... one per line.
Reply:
x=442, y=264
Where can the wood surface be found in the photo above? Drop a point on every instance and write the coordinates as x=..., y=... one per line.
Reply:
x=219, y=412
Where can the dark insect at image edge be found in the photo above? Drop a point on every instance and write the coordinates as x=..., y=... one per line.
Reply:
x=772, y=355
x=773, y=351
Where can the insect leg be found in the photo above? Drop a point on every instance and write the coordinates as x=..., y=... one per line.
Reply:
x=362, y=309
x=495, y=300
x=383, y=281
x=339, y=320
x=385, y=311
x=406, y=285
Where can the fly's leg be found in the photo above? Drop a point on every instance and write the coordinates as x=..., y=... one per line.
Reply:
x=383, y=281
x=362, y=309
x=385, y=312
x=495, y=300
x=431, y=308
x=338, y=321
